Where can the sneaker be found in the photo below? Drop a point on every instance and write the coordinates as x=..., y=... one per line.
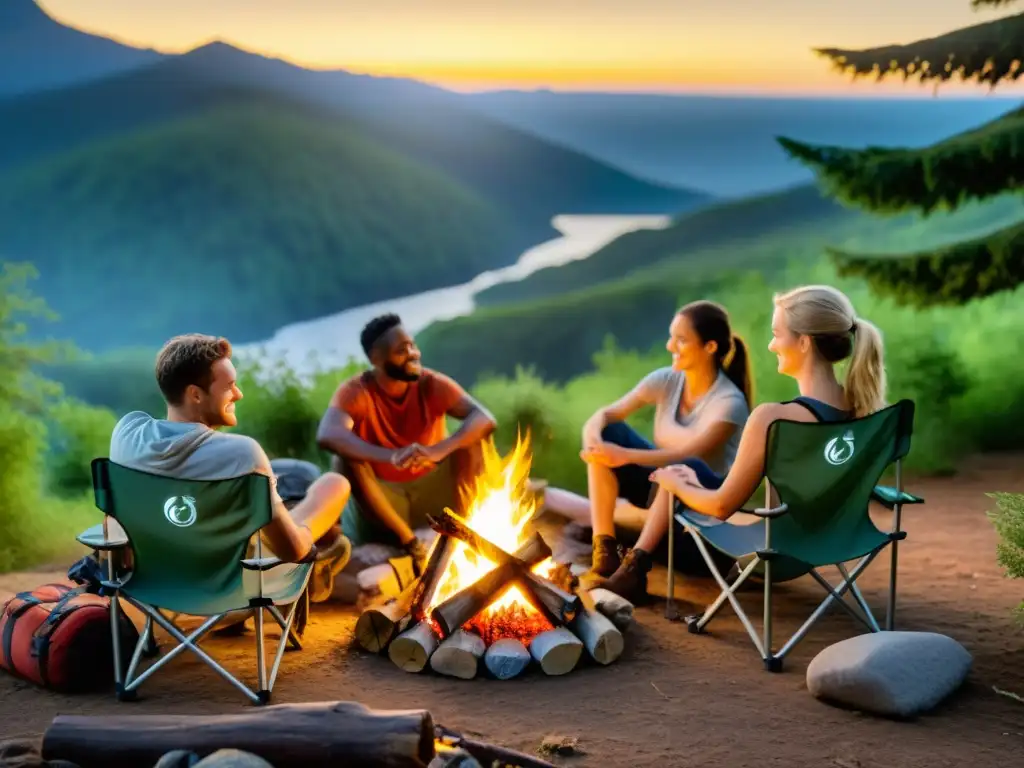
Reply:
x=604, y=562
x=630, y=579
x=331, y=558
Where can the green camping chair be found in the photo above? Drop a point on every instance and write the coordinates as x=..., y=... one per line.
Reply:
x=825, y=475
x=188, y=540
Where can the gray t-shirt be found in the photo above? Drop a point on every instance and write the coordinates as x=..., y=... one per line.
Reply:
x=187, y=451
x=663, y=389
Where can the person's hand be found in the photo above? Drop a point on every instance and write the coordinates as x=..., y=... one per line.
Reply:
x=430, y=456
x=606, y=455
x=406, y=457
x=675, y=477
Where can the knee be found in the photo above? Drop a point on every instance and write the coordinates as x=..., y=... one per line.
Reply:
x=337, y=486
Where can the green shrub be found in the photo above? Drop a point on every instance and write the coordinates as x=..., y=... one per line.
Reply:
x=1008, y=519
x=77, y=433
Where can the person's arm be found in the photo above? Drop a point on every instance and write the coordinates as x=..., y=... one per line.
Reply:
x=742, y=480
x=287, y=540
x=620, y=410
x=477, y=422
x=335, y=431
x=698, y=444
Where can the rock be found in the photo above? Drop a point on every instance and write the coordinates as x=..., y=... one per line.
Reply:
x=895, y=674
x=232, y=758
x=564, y=746
x=179, y=758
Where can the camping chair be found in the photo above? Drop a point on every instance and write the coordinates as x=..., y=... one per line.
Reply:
x=188, y=540
x=825, y=475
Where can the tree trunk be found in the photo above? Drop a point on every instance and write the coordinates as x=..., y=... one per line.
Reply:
x=321, y=734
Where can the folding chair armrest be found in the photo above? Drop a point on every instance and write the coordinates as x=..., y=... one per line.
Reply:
x=889, y=497
x=93, y=538
x=767, y=514
x=262, y=563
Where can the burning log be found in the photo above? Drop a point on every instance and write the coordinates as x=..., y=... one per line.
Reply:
x=557, y=651
x=559, y=604
x=286, y=734
x=506, y=658
x=616, y=608
x=412, y=649
x=602, y=639
x=459, y=655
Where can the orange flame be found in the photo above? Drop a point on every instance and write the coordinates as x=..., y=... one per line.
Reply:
x=498, y=507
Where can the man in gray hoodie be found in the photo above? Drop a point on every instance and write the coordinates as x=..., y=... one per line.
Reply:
x=198, y=381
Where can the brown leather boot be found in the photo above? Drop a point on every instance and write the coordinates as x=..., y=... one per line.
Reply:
x=604, y=561
x=630, y=579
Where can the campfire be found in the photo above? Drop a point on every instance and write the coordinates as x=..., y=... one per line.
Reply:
x=490, y=590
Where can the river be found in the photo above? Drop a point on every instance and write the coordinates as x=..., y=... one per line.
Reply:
x=330, y=341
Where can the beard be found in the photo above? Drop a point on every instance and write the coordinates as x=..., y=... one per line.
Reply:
x=399, y=373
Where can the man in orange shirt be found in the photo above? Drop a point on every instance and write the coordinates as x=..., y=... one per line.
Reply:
x=386, y=428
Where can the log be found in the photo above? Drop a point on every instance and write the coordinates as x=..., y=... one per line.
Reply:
x=378, y=624
x=490, y=754
x=459, y=655
x=600, y=637
x=468, y=602
x=318, y=735
x=506, y=658
x=561, y=606
x=412, y=649
x=436, y=565
x=556, y=650
x=616, y=608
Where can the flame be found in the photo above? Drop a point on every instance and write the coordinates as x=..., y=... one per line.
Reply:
x=498, y=506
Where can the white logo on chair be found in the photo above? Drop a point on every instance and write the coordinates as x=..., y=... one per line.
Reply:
x=837, y=452
x=180, y=511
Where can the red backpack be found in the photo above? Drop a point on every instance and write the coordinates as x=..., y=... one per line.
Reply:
x=58, y=636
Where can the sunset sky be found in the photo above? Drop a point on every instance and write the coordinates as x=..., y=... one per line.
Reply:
x=622, y=45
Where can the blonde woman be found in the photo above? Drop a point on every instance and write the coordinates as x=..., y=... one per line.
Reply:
x=813, y=329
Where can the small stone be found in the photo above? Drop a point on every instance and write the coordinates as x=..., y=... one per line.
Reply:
x=565, y=746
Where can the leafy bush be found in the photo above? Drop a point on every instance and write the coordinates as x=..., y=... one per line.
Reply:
x=1008, y=519
x=77, y=433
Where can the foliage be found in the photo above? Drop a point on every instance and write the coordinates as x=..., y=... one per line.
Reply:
x=76, y=434
x=977, y=164
x=1008, y=519
x=236, y=223
x=33, y=526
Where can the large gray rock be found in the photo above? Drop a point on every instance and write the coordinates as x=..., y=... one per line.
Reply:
x=896, y=674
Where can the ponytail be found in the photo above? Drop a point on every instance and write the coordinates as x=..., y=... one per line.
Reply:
x=865, y=379
x=736, y=366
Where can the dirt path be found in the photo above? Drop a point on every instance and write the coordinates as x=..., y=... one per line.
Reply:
x=676, y=699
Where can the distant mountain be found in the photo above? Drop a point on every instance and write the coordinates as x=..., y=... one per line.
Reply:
x=534, y=178
x=237, y=220
x=726, y=145
x=38, y=53
x=556, y=324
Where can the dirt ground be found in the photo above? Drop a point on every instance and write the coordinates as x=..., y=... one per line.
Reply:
x=675, y=699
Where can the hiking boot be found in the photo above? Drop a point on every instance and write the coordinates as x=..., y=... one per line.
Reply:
x=604, y=562
x=334, y=550
x=630, y=579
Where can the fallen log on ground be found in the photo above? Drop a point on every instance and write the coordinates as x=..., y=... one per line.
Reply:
x=315, y=735
x=489, y=754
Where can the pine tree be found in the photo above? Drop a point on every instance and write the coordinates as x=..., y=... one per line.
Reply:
x=973, y=165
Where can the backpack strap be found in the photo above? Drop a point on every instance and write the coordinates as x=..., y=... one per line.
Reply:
x=28, y=600
x=41, y=637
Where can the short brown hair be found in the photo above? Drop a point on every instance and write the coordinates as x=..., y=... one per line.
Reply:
x=187, y=360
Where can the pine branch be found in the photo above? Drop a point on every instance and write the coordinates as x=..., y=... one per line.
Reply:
x=980, y=163
x=949, y=275
x=985, y=53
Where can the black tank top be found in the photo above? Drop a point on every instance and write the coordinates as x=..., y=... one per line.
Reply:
x=823, y=412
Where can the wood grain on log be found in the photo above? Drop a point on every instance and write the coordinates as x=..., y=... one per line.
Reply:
x=616, y=608
x=506, y=658
x=320, y=735
x=459, y=655
x=378, y=624
x=557, y=651
x=601, y=638
x=412, y=649
x=436, y=565
x=454, y=612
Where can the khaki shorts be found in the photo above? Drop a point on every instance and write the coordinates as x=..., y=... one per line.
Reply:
x=413, y=501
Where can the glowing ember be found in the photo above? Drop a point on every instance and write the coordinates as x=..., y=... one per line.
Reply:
x=498, y=507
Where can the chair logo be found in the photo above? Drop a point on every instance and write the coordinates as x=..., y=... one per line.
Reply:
x=837, y=452
x=180, y=511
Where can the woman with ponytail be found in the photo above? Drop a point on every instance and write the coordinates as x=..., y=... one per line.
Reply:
x=701, y=403
x=813, y=329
